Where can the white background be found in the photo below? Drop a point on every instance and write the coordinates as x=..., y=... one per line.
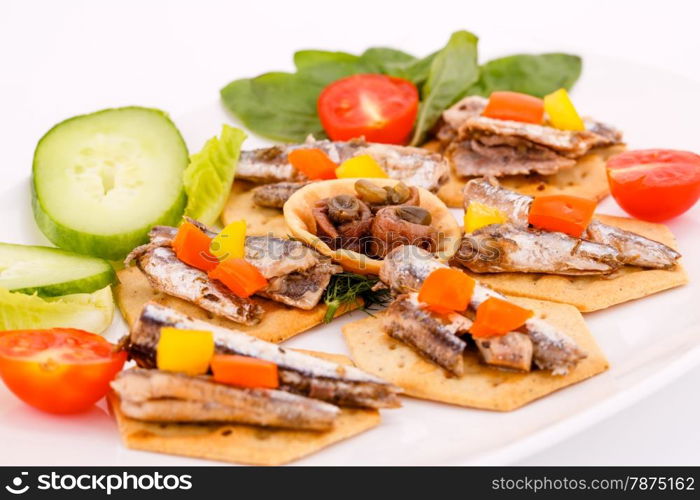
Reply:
x=59, y=59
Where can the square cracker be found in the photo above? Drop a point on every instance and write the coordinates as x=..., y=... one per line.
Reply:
x=238, y=443
x=586, y=179
x=260, y=221
x=591, y=293
x=279, y=322
x=481, y=386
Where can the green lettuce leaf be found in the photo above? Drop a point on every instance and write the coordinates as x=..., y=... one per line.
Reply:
x=87, y=311
x=208, y=177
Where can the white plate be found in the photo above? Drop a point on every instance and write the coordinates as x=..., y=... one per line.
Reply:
x=648, y=342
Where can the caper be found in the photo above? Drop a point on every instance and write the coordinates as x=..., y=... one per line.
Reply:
x=415, y=215
x=370, y=192
x=343, y=208
x=399, y=194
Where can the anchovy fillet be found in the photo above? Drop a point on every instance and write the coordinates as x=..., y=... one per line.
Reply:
x=405, y=269
x=299, y=373
x=499, y=248
x=633, y=249
x=154, y=395
x=414, y=166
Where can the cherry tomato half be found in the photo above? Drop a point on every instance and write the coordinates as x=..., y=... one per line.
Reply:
x=61, y=370
x=381, y=108
x=655, y=184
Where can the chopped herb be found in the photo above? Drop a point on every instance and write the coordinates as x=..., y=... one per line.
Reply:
x=348, y=288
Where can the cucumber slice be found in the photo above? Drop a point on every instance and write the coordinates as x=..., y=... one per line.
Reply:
x=88, y=311
x=50, y=272
x=101, y=181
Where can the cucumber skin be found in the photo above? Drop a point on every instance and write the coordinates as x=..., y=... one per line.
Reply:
x=111, y=247
x=82, y=285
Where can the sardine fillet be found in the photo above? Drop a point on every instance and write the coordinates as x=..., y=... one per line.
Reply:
x=155, y=395
x=404, y=320
x=499, y=248
x=167, y=273
x=299, y=372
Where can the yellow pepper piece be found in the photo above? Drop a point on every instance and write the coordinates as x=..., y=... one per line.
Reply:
x=186, y=351
x=360, y=166
x=230, y=242
x=561, y=111
x=479, y=215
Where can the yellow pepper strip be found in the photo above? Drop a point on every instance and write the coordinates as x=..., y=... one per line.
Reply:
x=360, y=166
x=479, y=215
x=561, y=111
x=230, y=242
x=186, y=351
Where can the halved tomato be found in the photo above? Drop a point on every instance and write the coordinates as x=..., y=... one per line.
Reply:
x=381, y=108
x=655, y=184
x=61, y=370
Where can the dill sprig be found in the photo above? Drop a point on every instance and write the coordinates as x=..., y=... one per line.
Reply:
x=348, y=288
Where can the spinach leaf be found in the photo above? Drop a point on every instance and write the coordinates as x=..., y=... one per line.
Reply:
x=537, y=75
x=453, y=70
x=323, y=67
x=416, y=71
x=280, y=106
x=385, y=60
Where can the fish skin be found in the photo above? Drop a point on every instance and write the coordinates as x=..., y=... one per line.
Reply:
x=405, y=269
x=503, y=248
x=167, y=273
x=155, y=395
x=633, y=249
x=513, y=205
x=275, y=195
x=414, y=166
x=427, y=333
x=299, y=373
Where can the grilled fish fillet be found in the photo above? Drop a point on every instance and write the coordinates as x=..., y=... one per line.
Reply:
x=405, y=269
x=155, y=395
x=432, y=336
x=633, y=249
x=414, y=166
x=499, y=248
x=299, y=373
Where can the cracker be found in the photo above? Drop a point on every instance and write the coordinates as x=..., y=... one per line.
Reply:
x=260, y=221
x=591, y=293
x=586, y=179
x=238, y=443
x=279, y=322
x=481, y=386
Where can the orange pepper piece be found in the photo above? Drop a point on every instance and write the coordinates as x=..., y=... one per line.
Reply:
x=504, y=105
x=240, y=276
x=563, y=213
x=244, y=371
x=313, y=163
x=447, y=289
x=495, y=317
x=191, y=246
